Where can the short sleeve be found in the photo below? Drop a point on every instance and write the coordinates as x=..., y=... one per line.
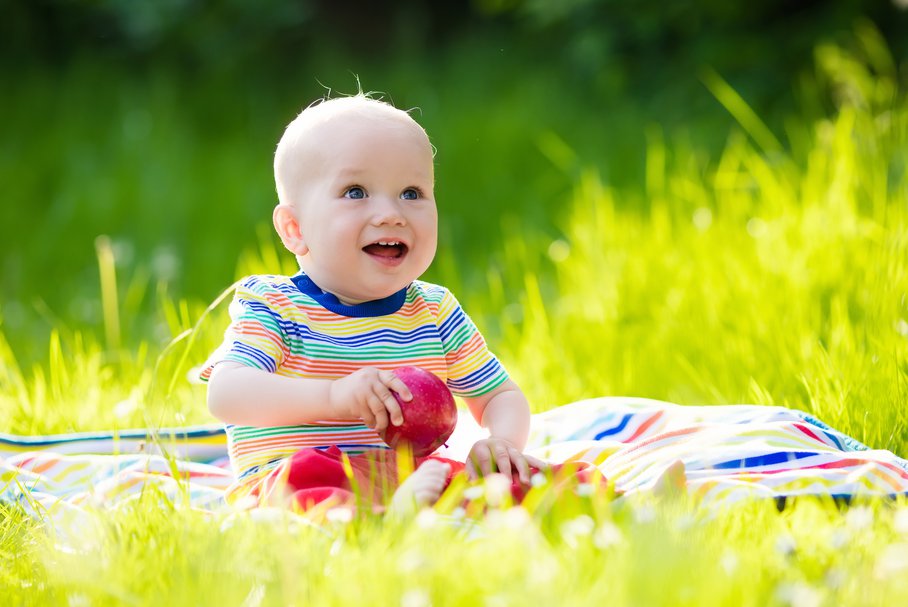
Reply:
x=472, y=368
x=255, y=337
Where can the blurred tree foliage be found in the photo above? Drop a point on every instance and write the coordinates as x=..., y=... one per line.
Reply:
x=220, y=34
x=765, y=44
x=606, y=44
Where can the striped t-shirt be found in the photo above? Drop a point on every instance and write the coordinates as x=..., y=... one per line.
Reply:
x=289, y=326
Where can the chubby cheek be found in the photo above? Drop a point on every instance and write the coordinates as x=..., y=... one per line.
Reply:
x=429, y=236
x=425, y=224
x=335, y=234
x=428, y=252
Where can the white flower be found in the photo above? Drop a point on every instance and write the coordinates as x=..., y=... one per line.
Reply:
x=785, y=544
x=246, y=502
x=124, y=408
x=859, y=518
x=685, y=521
x=542, y=568
x=411, y=560
x=756, y=227
x=474, y=492
x=799, y=594
x=336, y=546
x=497, y=600
x=839, y=538
x=267, y=515
x=902, y=328
x=79, y=600
x=579, y=526
x=538, y=479
x=516, y=518
x=584, y=489
x=702, y=219
x=497, y=488
x=836, y=578
x=341, y=515
x=228, y=522
x=900, y=521
x=608, y=534
x=416, y=597
x=645, y=514
x=427, y=518
x=893, y=560
x=729, y=562
x=255, y=597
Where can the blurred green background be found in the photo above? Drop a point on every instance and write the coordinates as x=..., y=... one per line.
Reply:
x=153, y=122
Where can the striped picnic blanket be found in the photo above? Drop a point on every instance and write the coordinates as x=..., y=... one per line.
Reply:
x=729, y=453
x=65, y=471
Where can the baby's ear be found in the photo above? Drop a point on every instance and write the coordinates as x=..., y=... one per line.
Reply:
x=288, y=228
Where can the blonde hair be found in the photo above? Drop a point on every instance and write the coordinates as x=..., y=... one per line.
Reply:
x=286, y=162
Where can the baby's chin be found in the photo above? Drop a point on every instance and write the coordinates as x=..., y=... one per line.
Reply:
x=359, y=297
x=372, y=285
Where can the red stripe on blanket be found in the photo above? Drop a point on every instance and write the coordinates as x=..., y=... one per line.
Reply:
x=45, y=465
x=643, y=427
x=661, y=437
x=809, y=433
x=860, y=462
x=853, y=461
x=197, y=474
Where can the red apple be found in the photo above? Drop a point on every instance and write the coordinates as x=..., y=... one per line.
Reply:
x=429, y=418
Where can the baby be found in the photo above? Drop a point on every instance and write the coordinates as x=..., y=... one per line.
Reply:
x=303, y=379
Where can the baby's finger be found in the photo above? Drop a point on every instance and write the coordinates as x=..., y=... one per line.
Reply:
x=377, y=407
x=471, y=469
x=397, y=384
x=389, y=404
x=481, y=459
x=503, y=458
x=535, y=462
x=368, y=418
x=523, y=467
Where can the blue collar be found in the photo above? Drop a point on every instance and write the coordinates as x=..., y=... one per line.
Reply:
x=377, y=307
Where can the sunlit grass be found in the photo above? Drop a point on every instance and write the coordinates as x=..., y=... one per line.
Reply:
x=762, y=277
x=746, y=283
x=660, y=553
x=765, y=275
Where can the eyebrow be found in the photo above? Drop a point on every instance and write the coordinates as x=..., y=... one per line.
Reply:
x=351, y=173
x=347, y=174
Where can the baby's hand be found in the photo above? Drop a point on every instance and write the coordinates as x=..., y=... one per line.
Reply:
x=495, y=454
x=366, y=394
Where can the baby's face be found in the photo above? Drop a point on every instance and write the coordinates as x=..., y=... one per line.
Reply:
x=366, y=206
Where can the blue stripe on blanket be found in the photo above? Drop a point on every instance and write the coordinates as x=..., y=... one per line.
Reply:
x=835, y=440
x=43, y=441
x=621, y=425
x=765, y=460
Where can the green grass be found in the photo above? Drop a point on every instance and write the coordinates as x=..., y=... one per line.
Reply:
x=772, y=273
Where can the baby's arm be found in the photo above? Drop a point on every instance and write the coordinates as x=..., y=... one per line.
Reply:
x=506, y=413
x=243, y=395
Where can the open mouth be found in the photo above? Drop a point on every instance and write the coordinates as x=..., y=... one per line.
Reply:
x=387, y=249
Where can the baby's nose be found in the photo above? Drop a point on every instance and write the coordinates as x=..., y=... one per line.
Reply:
x=387, y=211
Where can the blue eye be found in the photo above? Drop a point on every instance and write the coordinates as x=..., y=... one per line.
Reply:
x=355, y=193
x=410, y=194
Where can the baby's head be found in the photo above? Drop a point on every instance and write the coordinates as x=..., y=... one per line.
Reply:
x=355, y=184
